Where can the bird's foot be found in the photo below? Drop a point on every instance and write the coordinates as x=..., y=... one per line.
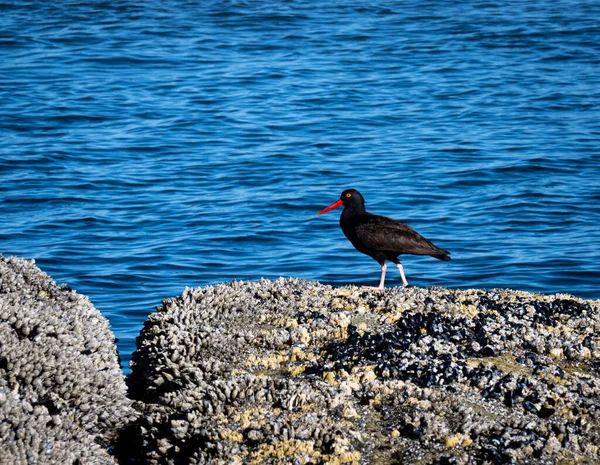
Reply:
x=371, y=288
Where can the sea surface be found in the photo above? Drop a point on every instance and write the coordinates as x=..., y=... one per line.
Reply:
x=148, y=146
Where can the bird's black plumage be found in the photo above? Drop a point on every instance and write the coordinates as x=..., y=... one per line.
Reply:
x=381, y=237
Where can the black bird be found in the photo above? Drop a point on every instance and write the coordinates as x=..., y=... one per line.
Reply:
x=380, y=237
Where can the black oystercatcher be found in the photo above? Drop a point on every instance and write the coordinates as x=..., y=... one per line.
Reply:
x=380, y=237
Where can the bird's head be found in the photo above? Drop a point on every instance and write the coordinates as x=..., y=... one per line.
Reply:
x=349, y=198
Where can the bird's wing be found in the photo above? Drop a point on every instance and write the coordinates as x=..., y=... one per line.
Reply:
x=382, y=233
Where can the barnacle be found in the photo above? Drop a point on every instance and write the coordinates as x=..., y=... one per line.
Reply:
x=423, y=366
x=62, y=391
x=292, y=371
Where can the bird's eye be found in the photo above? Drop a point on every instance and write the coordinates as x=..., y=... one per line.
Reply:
x=348, y=195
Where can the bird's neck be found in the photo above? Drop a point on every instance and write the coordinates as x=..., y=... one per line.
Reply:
x=353, y=210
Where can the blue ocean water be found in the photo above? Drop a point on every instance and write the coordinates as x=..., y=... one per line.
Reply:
x=149, y=146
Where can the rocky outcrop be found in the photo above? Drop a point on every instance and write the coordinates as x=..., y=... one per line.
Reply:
x=62, y=392
x=293, y=371
x=297, y=372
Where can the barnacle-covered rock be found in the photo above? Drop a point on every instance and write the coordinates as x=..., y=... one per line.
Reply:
x=62, y=392
x=291, y=371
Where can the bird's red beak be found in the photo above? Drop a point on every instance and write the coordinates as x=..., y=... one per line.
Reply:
x=337, y=203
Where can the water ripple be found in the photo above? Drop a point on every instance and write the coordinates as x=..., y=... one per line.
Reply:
x=151, y=147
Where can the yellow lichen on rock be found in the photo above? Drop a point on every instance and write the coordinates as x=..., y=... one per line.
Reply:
x=556, y=353
x=291, y=323
x=233, y=436
x=344, y=291
x=392, y=317
x=351, y=457
x=299, y=355
x=302, y=335
x=320, y=334
x=361, y=328
x=254, y=417
x=363, y=374
x=586, y=353
x=338, y=304
x=302, y=452
x=273, y=360
x=469, y=310
x=341, y=333
x=293, y=371
x=329, y=377
x=350, y=412
x=458, y=440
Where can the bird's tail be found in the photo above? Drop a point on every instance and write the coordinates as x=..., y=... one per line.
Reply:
x=443, y=255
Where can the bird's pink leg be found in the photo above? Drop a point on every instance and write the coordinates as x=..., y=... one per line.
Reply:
x=401, y=270
x=380, y=288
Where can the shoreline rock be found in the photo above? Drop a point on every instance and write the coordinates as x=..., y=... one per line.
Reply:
x=62, y=392
x=292, y=371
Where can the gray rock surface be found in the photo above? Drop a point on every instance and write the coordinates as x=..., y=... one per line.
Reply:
x=297, y=372
x=62, y=392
